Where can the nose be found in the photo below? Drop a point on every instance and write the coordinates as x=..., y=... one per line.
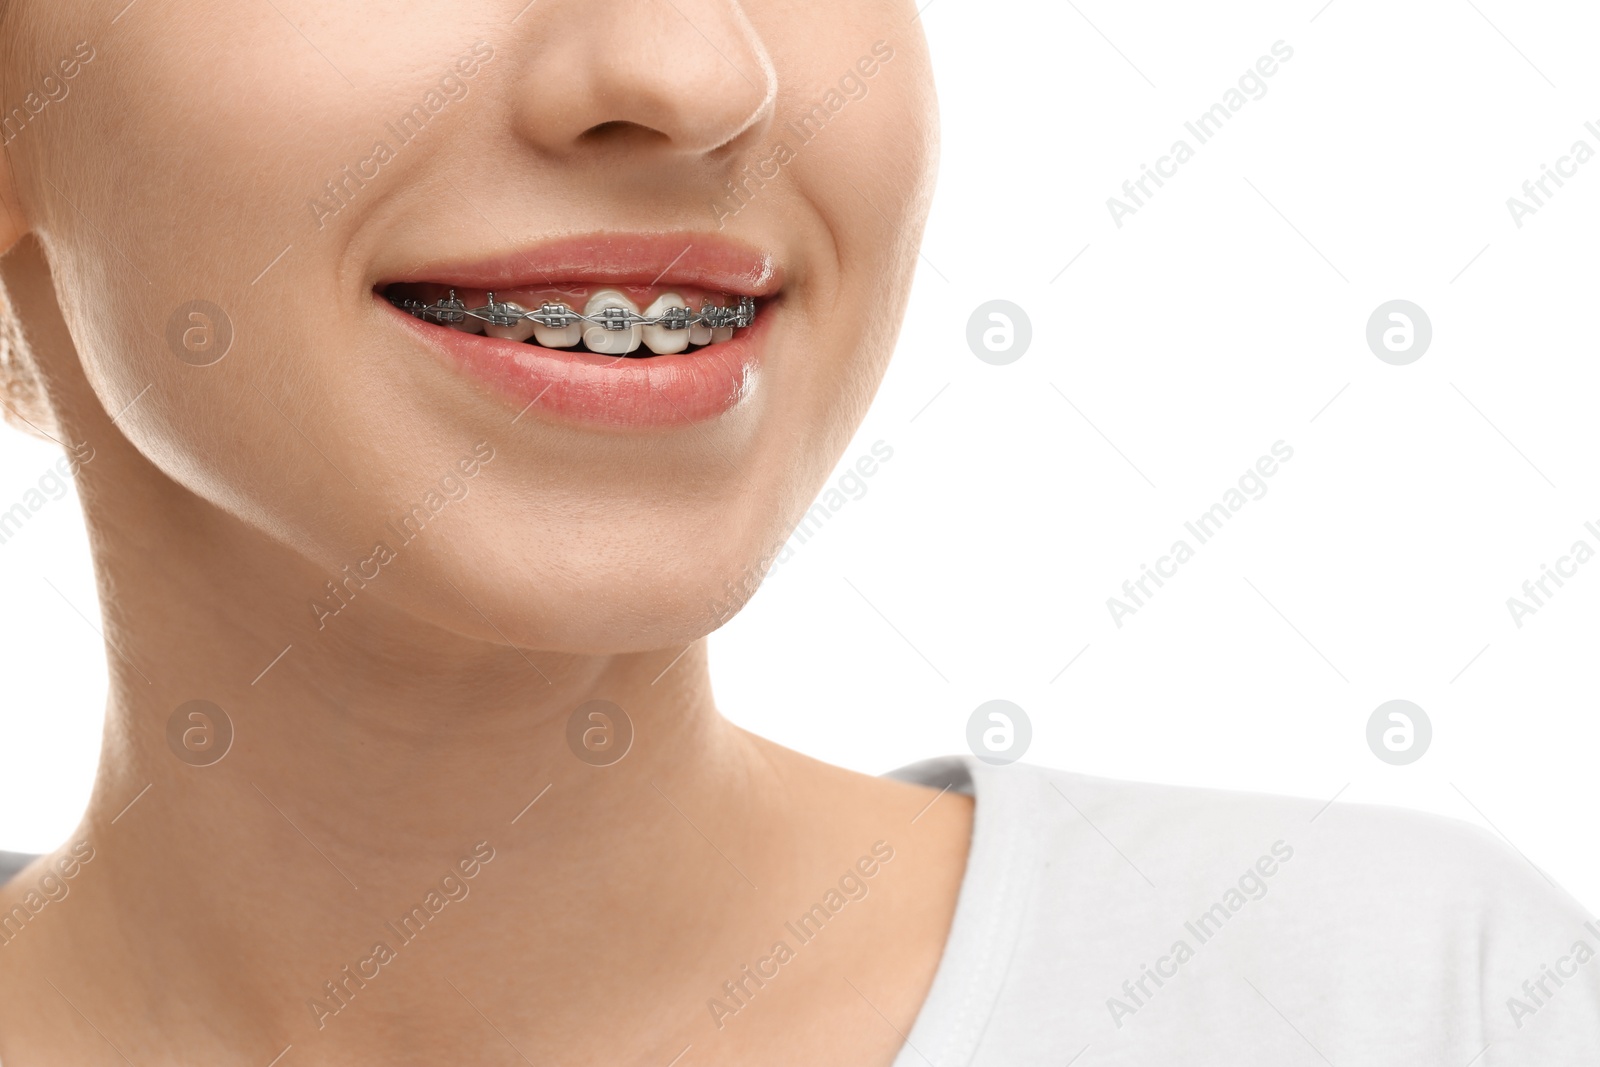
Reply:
x=686, y=76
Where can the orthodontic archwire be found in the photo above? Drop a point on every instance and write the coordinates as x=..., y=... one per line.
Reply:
x=452, y=311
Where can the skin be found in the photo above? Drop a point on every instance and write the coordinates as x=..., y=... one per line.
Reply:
x=379, y=750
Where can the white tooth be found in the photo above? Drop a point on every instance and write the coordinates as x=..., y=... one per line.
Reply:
x=699, y=335
x=721, y=334
x=520, y=331
x=610, y=342
x=659, y=339
x=558, y=337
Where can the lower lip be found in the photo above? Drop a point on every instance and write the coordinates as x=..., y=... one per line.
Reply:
x=612, y=391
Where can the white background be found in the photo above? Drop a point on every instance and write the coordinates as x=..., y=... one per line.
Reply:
x=1225, y=315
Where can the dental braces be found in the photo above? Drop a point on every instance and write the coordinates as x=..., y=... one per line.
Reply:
x=452, y=311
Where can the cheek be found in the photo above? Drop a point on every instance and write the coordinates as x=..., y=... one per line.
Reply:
x=224, y=115
x=214, y=116
x=870, y=170
x=873, y=160
x=868, y=173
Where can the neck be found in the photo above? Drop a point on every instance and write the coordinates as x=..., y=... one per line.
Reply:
x=373, y=763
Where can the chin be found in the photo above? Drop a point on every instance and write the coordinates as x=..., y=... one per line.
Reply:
x=636, y=596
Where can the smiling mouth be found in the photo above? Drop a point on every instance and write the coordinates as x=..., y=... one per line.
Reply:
x=611, y=322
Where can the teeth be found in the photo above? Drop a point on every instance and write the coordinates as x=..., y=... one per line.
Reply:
x=655, y=339
x=699, y=335
x=523, y=329
x=551, y=337
x=659, y=339
x=705, y=335
x=610, y=342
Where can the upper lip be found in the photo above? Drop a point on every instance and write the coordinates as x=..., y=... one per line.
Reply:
x=706, y=261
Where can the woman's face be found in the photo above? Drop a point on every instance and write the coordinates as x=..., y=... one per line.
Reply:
x=261, y=175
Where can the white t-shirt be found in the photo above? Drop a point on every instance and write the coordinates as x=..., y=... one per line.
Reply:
x=1115, y=924
x=1112, y=924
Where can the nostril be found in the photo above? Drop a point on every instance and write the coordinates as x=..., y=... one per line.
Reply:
x=615, y=129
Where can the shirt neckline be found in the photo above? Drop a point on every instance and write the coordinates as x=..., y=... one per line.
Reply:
x=990, y=907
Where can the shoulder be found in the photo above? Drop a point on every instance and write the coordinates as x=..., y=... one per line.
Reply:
x=1164, y=913
x=1191, y=836
x=1182, y=836
x=13, y=862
